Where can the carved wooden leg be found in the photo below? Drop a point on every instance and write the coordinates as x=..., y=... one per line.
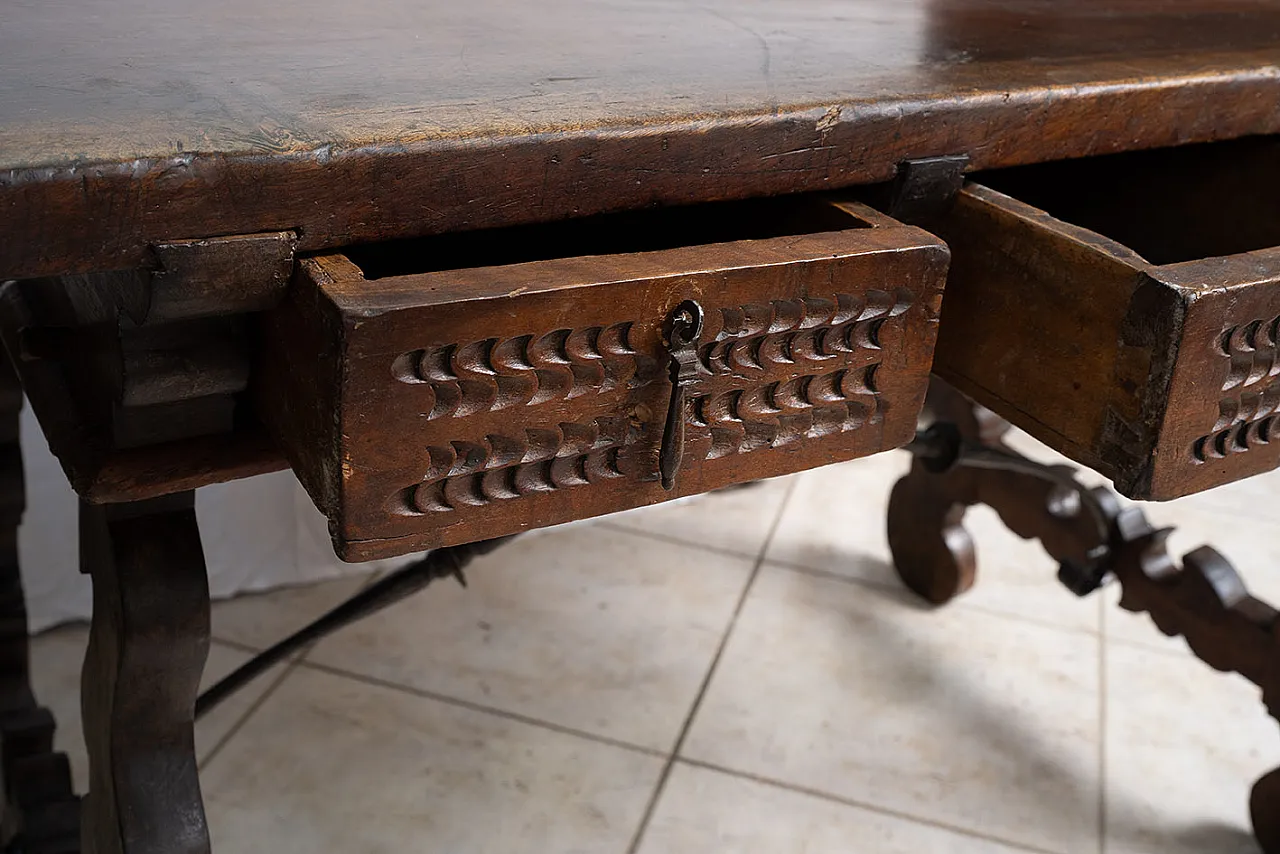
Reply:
x=1092, y=536
x=932, y=551
x=40, y=807
x=147, y=647
x=1206, y=602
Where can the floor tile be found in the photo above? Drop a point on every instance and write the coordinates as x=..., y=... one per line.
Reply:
x=962, y=717
x=703, y=811
x=594, y=629
x=835, y=522
x=258, y=620
x=1023, y=443
x=735, y=520
x=331, y=764
x=1184, y=746
x=1126, y=627
x=56, y=658
x=1252, y=545
x=1252, y=497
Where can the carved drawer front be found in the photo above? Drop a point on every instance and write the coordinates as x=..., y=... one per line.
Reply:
x=1125, y=310
x=423, y=409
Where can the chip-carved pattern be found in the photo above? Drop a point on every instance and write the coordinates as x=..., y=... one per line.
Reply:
x=808, y=333
x=782, y=413
x=498, y=468
x=774, y=373
x=761, y=336
x=1251, y=392
x=498, y=373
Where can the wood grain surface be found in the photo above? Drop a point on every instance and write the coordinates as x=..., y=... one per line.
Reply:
x=130, y=122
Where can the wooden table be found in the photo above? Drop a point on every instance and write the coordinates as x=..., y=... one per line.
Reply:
x=198, y=209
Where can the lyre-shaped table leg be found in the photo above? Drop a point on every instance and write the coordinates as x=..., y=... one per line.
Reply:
x=147, y=648
x=41, y=811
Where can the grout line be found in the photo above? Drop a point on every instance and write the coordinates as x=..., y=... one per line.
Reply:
x=675, y=541
x=239, y=646
x=960, y=602
x=869, y=807
x=290, y=665
x=1154, y=646
x=660, y=786
x=368, y=580
x=203, y=762
x=457, y=702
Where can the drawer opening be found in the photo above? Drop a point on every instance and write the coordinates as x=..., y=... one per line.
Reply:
x=1168, y=205
x=605, y=234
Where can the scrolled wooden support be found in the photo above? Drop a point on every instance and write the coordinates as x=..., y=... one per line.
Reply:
x=147, y=647
x=1203, y=598
x=1206, y=602
x=933, y=553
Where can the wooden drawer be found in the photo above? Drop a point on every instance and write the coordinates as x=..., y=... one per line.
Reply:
x=426, y=401
x=1124, y=310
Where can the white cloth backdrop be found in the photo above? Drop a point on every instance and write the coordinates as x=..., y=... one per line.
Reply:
x=258, y=533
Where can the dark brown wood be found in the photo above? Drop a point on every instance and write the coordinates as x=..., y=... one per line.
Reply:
x=182, y=280
x=433, y=117
x=147, y=647
x=1203, y=599
x=41, y=811
x=99, y=472
x=137, y=377
x=932, y=552
x=430, y=409
x=1157, y=369
x=134, y=475
x=925, y=189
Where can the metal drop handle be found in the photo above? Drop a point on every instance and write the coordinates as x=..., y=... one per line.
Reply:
x=685, y=326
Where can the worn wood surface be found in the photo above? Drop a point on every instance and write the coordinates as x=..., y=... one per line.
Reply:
x=147, y=647
x=124, y=123
x=1158, y=369
x=430, y=409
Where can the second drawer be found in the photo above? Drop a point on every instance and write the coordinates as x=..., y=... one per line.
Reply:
x=1125, y=310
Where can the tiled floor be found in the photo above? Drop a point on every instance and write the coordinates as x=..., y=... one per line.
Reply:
x=738, y=673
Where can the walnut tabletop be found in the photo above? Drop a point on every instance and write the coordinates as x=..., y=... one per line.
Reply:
x=128, y=122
